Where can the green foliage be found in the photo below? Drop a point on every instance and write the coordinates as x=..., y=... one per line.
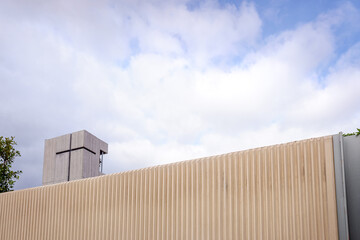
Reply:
x=7, y=156
x=354, y=133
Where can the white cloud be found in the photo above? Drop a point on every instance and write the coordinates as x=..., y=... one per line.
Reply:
x=157, y=80
x=338, y=100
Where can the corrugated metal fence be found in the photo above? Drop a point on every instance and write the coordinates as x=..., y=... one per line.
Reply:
x=284, y=191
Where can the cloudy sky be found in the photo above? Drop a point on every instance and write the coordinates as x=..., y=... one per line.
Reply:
x=163, y=81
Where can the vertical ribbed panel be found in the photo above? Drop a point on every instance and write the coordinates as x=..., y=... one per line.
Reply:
x=279, y=192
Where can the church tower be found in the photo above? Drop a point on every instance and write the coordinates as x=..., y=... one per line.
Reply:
x=73, y=156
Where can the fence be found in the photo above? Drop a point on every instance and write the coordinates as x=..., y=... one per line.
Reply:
x=284, y=191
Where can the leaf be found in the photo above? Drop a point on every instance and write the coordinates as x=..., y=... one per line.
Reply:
x=8, y=153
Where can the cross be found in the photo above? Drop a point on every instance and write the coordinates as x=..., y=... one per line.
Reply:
x=74, y=149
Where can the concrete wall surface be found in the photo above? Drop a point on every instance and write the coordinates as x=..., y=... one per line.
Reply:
x=352, y=178
x=285, y=191
x=71, y=157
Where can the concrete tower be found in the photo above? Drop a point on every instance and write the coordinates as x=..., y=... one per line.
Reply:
x=73, y=156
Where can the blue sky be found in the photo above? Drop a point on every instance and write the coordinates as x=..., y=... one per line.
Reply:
x=164, y=81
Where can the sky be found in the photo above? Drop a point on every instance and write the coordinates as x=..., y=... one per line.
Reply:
x=166, y=81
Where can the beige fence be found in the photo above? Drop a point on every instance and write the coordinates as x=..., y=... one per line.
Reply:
x=284, y=191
